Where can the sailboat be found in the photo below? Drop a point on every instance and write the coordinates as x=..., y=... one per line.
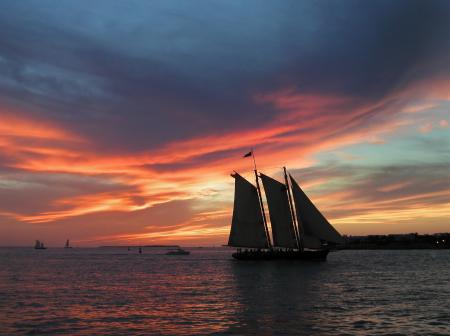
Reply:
x=39, y=245
x=67, y=244
x=299, y=229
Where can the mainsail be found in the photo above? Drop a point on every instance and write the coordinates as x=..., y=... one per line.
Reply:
x=283, y=233
x=247, y=226
x=313, y=226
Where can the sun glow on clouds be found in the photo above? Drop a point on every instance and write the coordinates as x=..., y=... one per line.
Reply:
x=13, y=127
x=105, y=134
x=83, y=205
x=306, y=128
x=307, y=125
x=196, y=228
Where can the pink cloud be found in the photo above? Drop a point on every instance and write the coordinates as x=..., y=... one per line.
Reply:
x=306, y=125
x=427, y=128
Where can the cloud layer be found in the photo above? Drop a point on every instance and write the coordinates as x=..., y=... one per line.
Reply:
x=116, y=115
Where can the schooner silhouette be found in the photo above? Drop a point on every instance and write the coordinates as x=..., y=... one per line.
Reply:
x=299, y=229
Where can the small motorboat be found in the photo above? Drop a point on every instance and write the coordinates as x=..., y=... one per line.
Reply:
x=178, y=251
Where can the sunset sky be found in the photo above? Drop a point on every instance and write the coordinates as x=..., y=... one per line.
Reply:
x=121, y=121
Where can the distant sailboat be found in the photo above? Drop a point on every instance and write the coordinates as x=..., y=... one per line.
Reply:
x=67, y=244
x=299, y=230
x=39, y=245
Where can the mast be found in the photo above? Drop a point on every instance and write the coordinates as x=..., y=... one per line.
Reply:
x=262, y=208
x=294, y=218
x=261, y=204
x=283, y=234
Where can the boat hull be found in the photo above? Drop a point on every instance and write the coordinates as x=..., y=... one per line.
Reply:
x=316, y=255
x=178, y=253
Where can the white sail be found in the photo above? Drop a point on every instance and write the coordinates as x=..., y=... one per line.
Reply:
x=283, y=233
x=247, y=227
x=312, y=224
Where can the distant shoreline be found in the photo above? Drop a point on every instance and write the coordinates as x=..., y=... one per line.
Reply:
x=410, y=241
x=387, y=248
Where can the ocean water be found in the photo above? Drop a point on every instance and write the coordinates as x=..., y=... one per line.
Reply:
x=116, y=292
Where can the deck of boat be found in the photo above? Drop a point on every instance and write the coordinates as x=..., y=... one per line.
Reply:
x=311, y=255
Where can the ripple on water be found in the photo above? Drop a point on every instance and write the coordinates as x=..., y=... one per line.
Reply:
x=95, y=291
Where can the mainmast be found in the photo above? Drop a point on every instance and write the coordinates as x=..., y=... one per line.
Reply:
x=294, y=217
x=262, y=208
x=261, y=204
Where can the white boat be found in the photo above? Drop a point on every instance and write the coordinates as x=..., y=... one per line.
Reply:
x=178, y=251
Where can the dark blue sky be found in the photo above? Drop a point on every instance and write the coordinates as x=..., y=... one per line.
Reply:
x=153, y=71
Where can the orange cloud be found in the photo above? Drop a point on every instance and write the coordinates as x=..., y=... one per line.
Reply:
x=12, y=126
x=277, y=140
x=393, y=187
x=307, y=124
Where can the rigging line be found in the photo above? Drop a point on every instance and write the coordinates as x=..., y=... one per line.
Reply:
x=262, y=209
x=300, y=229
x=293, y=216
x=253, y=156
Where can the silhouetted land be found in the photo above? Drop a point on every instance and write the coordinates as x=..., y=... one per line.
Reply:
x=398, y=242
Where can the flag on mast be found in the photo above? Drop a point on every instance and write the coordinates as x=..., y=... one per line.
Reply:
x=248, y=154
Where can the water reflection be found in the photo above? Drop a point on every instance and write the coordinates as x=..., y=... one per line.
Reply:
x=275, y=297
x=85, y=292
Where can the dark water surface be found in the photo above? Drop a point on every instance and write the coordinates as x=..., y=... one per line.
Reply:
x=116, y=292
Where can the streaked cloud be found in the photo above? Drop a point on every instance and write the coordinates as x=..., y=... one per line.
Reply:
x=121, y=121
